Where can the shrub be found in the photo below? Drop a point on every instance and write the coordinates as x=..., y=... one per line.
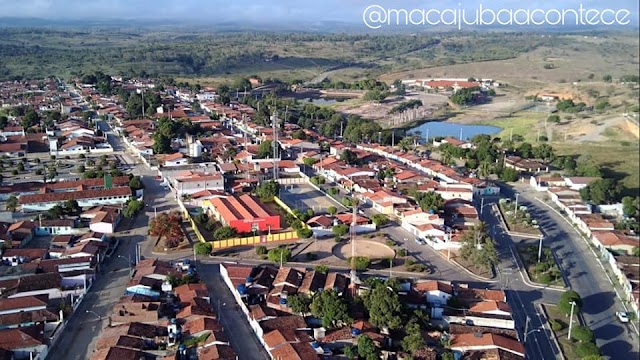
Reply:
x=390, y=243
x=587, y=349
x=362, y=262
x=304, y=233
x=566, y=298
x=556, y=325
x=544, y=278
x=322, y=269
x=261, y=250
x=402, y=252
x=203, y=248
x=409, y=262
x=278, y=254
x=582, y=334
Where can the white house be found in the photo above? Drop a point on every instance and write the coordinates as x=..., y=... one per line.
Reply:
x=577, y=183
x=176, y=159
x=85, y=198
x=437, y=294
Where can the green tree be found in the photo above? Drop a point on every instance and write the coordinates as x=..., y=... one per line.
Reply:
x=607, y=78
x=582, y=334
x=380, y=220
x=71, y=207
x=478, y=247
x=384, y=307
x=267, y=190
x=429, y=201
x=553, y=118
x=132, y=208
x=631, y=206
x=265, y=150
x=281, y=253
x=299, y=304
x=225, y=232
x=413, y=339
x=448, y=356
x=349, y=352
x=601, y=191
x=203, y=248
x=323, y=269
x=12, y=203
x=349, y=157
x=367, y=349
x=20, y=166
x=309, y=161
x=80, y=168
x=330, y=308
x=332, y=210
x=136, y=183
x=566, y=298
x=340, y=230
x=201, y=218
x=374, y=95
x=509, y=174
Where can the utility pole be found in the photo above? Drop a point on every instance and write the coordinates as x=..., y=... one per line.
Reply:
x=275, y=144
x=481, y=206
x=573, y=303
x=393, y=138
x=511, y=135
x=516, y=207
x=540, y=248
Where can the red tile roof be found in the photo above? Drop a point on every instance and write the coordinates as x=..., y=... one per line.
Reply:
x=77, y=195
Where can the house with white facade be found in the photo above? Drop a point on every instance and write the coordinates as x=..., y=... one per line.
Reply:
x=85, y=198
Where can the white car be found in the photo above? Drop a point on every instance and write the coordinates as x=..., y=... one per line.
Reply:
x=622, y=316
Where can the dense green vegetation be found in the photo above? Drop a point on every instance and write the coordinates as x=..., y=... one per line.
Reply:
x=42, y=52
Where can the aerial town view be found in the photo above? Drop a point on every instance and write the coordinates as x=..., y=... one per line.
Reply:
x=290, y=180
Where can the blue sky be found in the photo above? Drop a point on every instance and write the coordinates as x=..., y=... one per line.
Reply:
x=265, y=11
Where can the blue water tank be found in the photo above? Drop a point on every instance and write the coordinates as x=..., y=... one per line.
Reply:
x=242, y=289
x=355, y=332
x=249, y=280
x=283, y=301
x=315, y=345
x=431, y=211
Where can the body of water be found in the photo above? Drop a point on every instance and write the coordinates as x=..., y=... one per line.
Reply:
x=445, y=129
x=323, y=100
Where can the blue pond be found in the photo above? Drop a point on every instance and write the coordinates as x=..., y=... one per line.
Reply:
x=448, y=129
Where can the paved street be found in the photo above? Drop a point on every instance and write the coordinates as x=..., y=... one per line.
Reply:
x=243, y=339
x=616, y=340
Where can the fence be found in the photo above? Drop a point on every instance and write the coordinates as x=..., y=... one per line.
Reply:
x=254, y=240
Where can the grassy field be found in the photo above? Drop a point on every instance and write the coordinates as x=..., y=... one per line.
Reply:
x=620, y=160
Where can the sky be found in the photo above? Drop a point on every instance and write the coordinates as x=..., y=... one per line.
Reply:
x=264, y=11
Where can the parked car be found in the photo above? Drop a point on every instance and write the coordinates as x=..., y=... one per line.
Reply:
x=622, y=316
x=420, y=241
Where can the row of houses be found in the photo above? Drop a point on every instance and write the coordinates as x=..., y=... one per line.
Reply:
x=479, y=324
x=154, y=319
x=610, y=244
x=38, y=196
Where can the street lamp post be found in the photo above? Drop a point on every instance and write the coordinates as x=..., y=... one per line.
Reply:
x=91, y=312
x=573, y=303
x=128, y=262
x=540, y=248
